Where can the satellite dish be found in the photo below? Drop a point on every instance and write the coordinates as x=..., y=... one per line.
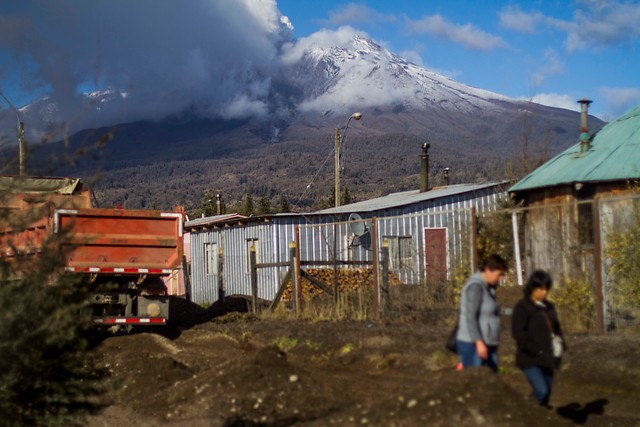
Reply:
x=356, y=225
x=360, y=235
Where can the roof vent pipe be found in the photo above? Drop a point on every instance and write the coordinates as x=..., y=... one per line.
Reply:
x=446, y=176
x=585, y=138
x=424, y=168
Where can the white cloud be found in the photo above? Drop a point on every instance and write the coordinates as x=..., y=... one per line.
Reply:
x=603, y=23
x=243, y=106
x=166, y=64
x=412, y=56
x=595, y=23
x=552, y=64
x=515, y=19
x=554, y=100
x=342, y=37
x=618, y=100
x=466, y=35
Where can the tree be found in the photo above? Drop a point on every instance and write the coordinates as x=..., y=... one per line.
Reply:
x=345, y=197
x=264, y=204
x=284, y=205
x=47, y=376
x=247, y=208
x=622, y=252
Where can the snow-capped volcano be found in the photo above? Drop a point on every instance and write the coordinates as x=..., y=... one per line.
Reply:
x=364, y=74
x=309, y=86
x=305, y=78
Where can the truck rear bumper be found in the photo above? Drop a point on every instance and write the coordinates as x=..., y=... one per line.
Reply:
x=118, y=320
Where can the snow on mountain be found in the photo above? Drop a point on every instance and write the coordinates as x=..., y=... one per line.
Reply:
x=364, y=74
x=326, y=72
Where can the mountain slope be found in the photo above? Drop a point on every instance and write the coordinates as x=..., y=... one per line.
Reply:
x=479, y=134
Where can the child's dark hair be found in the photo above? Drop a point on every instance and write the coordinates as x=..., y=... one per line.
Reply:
x=538, y=279
x=494, y=262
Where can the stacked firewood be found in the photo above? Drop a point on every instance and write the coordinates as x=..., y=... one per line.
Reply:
x=349, y=280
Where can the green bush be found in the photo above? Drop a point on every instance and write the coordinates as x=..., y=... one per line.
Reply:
x=622, y=252
x=495, y=232
x=575, y=303
x=47, y=377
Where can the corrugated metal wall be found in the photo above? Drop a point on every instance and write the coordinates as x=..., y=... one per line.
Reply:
x=317, y=234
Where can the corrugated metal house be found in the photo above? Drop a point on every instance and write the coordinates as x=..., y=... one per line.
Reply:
x=425, y=230
x=575, y=199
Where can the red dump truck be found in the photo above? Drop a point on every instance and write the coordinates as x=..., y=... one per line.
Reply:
x=129, y=251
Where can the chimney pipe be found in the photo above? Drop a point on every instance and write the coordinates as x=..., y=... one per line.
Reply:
x=585, y=138
x=424, y=168
x=446, y=176
x=218, y=206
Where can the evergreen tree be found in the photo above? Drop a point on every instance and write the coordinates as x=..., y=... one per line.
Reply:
x=208, y=206
x=47, y=377
x=284, y=205
x=264, y=204
x=345, y=197
x=247, y=208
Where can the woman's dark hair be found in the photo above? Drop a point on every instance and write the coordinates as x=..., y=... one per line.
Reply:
x=538, y=279
x=494, y=262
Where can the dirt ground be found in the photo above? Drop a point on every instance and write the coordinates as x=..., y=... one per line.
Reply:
x=235, y=369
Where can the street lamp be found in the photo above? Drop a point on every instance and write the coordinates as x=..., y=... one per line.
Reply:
x=21, y=143
x=339, y=140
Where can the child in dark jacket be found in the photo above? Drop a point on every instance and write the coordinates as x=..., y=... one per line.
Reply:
x=536, y=329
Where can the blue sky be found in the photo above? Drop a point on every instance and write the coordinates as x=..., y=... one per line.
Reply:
x=166, y=55
x=553, y=51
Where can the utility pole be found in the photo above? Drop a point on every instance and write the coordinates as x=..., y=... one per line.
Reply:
x=338, y=142
x=21, y=142
x=337, y=171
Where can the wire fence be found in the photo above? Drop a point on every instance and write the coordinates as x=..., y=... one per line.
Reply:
x=401, y=266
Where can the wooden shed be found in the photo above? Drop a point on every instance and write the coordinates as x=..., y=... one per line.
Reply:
x=575, y=201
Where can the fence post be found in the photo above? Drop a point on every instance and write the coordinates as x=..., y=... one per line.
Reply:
x=376, y=266
x=296, y=273
x=335, y=263
x=597, y=254
x=292, y=268
x=474, y=240
x=187, y=278
x=384, y=259
x=220, y=275
x=254, y=279
x=516, y=247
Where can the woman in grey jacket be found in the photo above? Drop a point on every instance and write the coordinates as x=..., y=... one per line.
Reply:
x=479, y=318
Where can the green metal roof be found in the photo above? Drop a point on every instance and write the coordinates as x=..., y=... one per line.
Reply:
x=614, y=156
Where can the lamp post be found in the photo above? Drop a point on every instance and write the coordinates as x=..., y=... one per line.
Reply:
x=21, y=143
x=339, y=140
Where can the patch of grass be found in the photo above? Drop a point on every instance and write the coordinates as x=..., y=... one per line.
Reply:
x=381, y=362
x=443, y=359
x=245, y=336
x=346, y=349
x=312, y=345
x=285, y=343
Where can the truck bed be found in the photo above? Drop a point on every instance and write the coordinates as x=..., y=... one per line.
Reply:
x=120, y=241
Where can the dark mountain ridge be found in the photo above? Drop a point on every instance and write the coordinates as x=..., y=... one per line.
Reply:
x=287, y=152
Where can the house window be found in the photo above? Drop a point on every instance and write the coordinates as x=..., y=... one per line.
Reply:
x=248, y=244
x=400, y=252
x=585, y=215
x=211, y=259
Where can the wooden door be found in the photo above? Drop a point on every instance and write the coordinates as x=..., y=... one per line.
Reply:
x=435, y=253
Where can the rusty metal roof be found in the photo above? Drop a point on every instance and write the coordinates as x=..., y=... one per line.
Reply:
x=405, y=198
x=614, y=155
x=209, y=220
